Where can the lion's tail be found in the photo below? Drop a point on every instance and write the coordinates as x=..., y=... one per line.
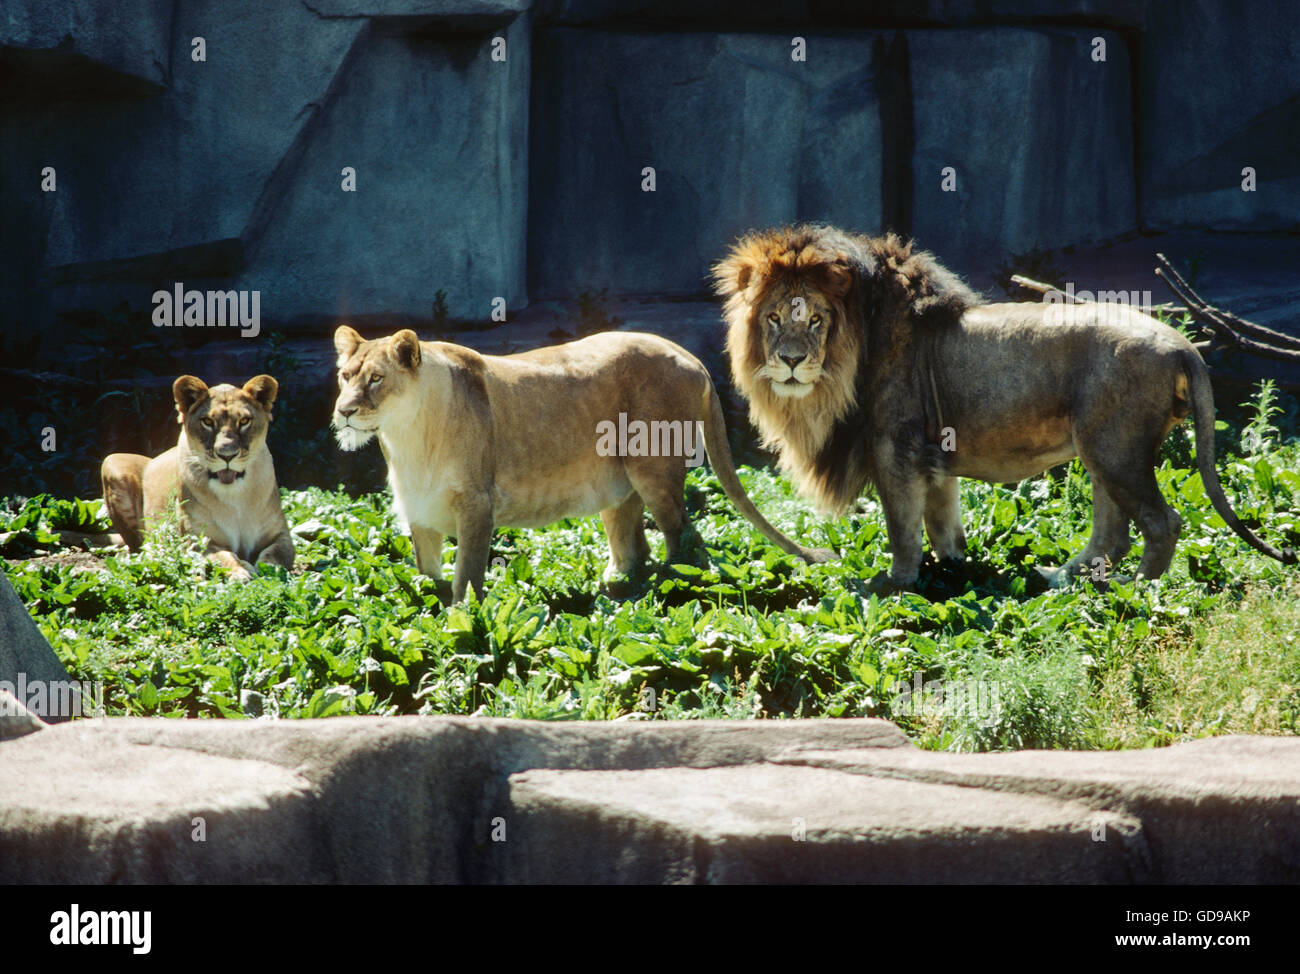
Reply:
x=715, y=443
x=1203, y=409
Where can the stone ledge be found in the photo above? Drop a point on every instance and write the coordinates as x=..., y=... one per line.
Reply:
x=411, y=800
x=1217, y=810
x=771, y=824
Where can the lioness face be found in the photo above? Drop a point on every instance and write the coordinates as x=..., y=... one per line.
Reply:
x=372, y=377
x=224, y=425
x=794, y=325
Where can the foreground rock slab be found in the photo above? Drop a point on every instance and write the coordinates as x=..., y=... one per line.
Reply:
x=30, y=673
x=412, y=800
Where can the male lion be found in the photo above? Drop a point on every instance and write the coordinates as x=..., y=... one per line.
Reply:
x=475, y=441
x=220, y=471
x=865, y=362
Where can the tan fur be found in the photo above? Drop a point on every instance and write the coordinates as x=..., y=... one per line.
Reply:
x=1018, y=388
x=474, y=442
x=222, y=428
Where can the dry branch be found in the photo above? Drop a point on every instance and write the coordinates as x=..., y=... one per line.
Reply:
x=1229, y=330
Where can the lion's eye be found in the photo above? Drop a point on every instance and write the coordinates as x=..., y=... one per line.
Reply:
x=774, y=318
x=815, y=320
x=244, y=422
x=376, y=379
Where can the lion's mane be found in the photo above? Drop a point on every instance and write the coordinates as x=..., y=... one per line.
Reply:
x=885, y=296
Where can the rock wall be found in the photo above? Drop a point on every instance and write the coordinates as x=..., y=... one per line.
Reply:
x=1220, y=92
x=501, y=146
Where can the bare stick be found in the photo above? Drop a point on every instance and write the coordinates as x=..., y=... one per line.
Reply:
x=1229, y=329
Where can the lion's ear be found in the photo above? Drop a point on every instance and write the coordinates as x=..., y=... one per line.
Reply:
x=264, y=389
x=346, y=341
x=732, y=276
x=838, y=277
x=188, y=393
x=406, y=349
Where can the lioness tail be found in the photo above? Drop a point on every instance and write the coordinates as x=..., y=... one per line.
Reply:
x=715, y=443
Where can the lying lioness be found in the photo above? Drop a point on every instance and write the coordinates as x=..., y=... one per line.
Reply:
x=475, y=441
x=220, y=471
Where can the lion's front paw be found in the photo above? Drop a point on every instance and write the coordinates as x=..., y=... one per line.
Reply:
x=886, y=583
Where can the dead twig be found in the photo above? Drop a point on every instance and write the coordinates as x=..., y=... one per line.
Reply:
x=1229, y=330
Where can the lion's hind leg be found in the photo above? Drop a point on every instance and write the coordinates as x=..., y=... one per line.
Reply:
x=1124, y=489
x=1107, y=545
x=1159, y=523
x=122, y=476
x=628, y=547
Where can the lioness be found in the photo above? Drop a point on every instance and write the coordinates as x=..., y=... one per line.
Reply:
x=475, y=441
x=220, y=471
x=865, y=362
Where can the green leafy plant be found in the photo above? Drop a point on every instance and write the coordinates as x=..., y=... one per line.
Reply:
x=740, y=630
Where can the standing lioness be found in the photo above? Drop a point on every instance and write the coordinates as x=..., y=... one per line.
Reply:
x=475, y=441
x=220, y=471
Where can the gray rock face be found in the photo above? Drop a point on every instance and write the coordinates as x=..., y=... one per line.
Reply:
x=739, y=136
x=845, y=14
x=419, y=8
x=413, y=799
x=29, y=670
x=1038, y=134
x=214, y=184
x=1220, y=91
x=441, y=184
x=523, y=178
x=187, y=168
x=15, y=719
x=127, y=36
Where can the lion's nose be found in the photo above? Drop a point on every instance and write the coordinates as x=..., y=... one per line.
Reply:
x=345, y=413
x=227, y=453
x=792, y=360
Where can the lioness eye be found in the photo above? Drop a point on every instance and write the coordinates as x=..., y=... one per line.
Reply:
x=376, y=379
x=206, y=422
x=243, y=422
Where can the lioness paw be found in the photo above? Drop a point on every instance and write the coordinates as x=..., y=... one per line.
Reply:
x=819, y=556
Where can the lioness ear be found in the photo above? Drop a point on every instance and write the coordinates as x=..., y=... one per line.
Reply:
x=406, y=349
x=264, y=389
x=346, y=341
x=188, y=393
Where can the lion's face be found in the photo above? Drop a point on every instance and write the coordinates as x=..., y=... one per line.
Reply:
x=373, y=377
x=792, y=325
x=224, y=426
